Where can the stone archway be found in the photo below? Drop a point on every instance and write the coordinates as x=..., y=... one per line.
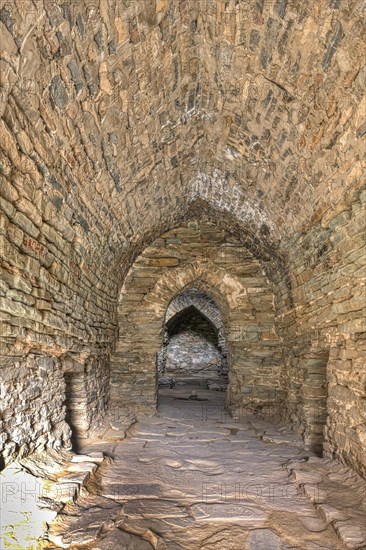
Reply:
x=145, y=327
x=194, y=343
x=254, y=353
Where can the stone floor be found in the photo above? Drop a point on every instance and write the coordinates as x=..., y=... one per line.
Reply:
x=192, y=478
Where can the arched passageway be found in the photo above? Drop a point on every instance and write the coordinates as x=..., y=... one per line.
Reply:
x=197, y=255
x=154, y=146
x=194, y=349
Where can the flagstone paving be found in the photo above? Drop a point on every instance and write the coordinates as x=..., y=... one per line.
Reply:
x=194, y=478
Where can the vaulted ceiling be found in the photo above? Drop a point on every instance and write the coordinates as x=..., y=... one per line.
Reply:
x=119, y=114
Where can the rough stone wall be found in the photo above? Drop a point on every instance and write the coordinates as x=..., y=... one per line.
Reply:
x=76, y=79
x=283, y=97
x=306, y=359
x=198, y=255
x=71, y=106
x=346, y=426
x=32, y=397
x=87, y=394
x=325, y=332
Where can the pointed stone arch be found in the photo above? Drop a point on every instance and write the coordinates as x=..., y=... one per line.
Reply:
x=142, y=317
x=203, y=304
x=172, y=321
x=201, y=301
x=191, y=352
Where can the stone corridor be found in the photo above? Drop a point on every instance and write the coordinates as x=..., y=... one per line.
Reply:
x=194, y=478
x=182, y=274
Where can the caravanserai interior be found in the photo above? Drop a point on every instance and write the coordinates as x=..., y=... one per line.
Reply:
x=183, y=266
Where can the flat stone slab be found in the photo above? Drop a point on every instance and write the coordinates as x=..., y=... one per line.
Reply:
x=314, y=524
x=82, y=522
x=154, y=508
x=97, y=458
x=121, y=540
x=283, y=439
x=61, y=492
x=114, y=435
x=339, y=496
x=331, y=514
x=86, y=467
x=123, y=491
x=208, y=467
x=265, y=539
x=80, y=477
x=235, y=513
x=352, y=532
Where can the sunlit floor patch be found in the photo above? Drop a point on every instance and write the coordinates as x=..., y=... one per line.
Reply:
x=22, y=520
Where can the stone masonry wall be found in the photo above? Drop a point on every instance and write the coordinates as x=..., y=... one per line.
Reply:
x=37, y=421
x=118, y=120
x=282, y=91
x=324, y=334
x=87, y=394
x=71, y=114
